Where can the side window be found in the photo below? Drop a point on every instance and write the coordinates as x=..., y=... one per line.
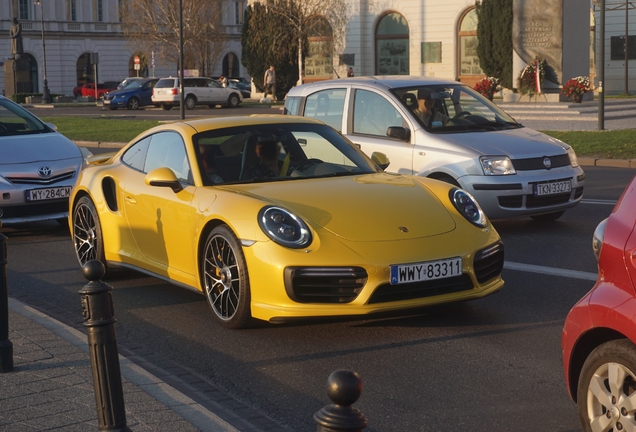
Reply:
x=327, y=106
x=373, y=114
x=135, y=156
x=291, y=105
x=213, y=84
x=166, y=149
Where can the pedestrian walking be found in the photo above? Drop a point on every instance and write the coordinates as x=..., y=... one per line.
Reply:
x=269, y=81
x=223, y=80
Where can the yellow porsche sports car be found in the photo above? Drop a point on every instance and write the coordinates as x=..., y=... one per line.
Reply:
x=279, y=217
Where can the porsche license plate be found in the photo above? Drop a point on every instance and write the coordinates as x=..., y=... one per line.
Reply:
x=553, y=188
x=426, y=271
x=48, y=193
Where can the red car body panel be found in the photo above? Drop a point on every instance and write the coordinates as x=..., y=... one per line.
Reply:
x=89, y=90
x=608, y=311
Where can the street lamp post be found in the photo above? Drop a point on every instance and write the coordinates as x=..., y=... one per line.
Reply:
x=46, y=95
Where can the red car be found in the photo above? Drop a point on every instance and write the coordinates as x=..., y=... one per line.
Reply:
x=88, y=89
x=599, y=336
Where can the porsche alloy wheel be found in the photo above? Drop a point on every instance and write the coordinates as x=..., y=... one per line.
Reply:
x=607, y=388
x=225, y=278
x=87, y=232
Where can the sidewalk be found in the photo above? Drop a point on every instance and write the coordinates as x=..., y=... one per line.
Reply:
x=51, y=387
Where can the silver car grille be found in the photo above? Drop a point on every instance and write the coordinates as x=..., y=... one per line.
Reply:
x=41, y=181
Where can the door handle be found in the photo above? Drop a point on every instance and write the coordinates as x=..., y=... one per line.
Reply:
x=130, y=199
x=421, y=153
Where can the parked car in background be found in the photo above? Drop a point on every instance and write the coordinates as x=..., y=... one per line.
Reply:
x=599, y=335
x=88, y=89
x=197, y=91
x=245, y=89
x=38, y=167
x=470, y=142
x=136, y=94
x=328, y=234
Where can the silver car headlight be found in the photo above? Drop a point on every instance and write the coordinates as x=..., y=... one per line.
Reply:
x=597, y=238
x=497, y=165
x=573, y=160
x=468, y=207
x=284, y=227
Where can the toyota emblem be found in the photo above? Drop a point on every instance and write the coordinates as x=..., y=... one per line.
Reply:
x=547, y=162
x=44, y=171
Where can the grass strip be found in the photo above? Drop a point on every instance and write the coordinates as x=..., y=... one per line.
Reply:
x=614, y=144
x=99, y=129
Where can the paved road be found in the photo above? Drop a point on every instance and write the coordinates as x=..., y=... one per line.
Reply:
x=488, y=365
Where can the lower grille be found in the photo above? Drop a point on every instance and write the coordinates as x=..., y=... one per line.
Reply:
x=511, y=201
x=324, y=284
x=9, y=212
x=391, y=293
x=546, y=200
x=488, y=262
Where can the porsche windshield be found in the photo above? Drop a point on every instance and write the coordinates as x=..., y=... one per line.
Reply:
x=15, y=120
x=453, y=108
x=276, y=152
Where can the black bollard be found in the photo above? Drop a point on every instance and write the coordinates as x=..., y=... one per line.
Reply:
x=99, y=319
x=6, y=347
x=343, y=388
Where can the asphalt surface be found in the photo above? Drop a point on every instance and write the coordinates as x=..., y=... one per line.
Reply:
x=493, y=364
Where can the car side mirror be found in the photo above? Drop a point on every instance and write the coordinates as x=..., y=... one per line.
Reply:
x=399, y=132
x=380, y=160
x=163, y=177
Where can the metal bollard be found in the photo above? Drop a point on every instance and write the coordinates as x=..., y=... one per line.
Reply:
x=6, y=347
x=343, y=388
x=99, y=319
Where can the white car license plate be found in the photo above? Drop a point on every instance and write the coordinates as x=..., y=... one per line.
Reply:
x=48, y=193
x=425, y=271
x=106, y=101
x=553, y=188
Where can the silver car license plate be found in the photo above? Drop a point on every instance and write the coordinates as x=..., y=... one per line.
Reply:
x=553, y=188
x=425, y=271
x=48, y=193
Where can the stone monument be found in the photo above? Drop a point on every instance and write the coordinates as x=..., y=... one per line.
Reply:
x=556, y=30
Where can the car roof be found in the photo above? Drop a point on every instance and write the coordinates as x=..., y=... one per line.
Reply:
x=383, y=81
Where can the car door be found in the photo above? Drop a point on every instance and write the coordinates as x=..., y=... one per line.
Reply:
x=217, y=93
x=145, y=93
x=372, y=115
x=158, y=218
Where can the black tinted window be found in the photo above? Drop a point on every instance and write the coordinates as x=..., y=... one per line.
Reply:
x=166, y=83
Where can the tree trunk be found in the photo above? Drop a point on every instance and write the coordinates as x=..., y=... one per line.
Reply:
x=300, y=61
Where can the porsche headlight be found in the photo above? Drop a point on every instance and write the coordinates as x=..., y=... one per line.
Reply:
x=497, y=165
x=468, y=207
x=573, y=160
x=284, y=227
x=597, y=238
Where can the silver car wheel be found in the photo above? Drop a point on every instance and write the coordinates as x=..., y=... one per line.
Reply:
x=225, y=278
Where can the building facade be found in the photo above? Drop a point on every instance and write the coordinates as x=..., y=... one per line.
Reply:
x=73, y=29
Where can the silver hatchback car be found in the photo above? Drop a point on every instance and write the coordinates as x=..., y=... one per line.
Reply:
x=38, y=167
x=445, y=130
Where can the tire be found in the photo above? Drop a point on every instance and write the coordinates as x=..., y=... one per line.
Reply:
x=548, y=217
x=190, y=102
x=225, y=279
x=133, y=103
x=233, y=101
x=597, y=397
x=87, y=232
x=166, y=107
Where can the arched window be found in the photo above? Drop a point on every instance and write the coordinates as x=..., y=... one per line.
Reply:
x=85, y=70
x=318, y=62
x=392, y=45
x=231, y=66
x=469, y=71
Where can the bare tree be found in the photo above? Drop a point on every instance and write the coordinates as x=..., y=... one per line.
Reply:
x=154, y=25
x=306, y=18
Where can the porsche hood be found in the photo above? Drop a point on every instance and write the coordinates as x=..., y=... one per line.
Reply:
x=374, y=207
